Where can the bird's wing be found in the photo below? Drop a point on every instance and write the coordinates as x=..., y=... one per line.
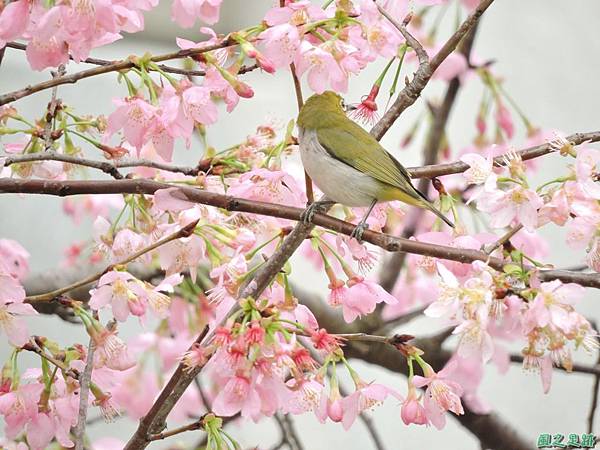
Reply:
x=362, y=151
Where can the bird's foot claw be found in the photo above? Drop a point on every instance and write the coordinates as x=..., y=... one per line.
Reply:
x=357, y=233
x=307, y=215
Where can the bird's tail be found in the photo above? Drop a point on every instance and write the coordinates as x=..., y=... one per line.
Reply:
x=427, y=204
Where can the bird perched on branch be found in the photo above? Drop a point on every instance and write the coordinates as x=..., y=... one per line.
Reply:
x=348, y=164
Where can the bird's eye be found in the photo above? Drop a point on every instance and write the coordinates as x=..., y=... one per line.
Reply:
x=343, y=104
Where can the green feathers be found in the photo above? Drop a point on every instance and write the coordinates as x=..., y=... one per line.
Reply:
x=349, y=143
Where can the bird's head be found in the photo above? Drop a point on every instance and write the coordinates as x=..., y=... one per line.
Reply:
x=320, y=109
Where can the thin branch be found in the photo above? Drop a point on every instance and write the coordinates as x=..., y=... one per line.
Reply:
x=426, y=171
x=182, y=232
x=84, y=392
x=391, y=271
x=105, y=166
x=293, y=240
x=196, y=425
x=526, y=154
x=32, y=346
x=413, y=90
x=410, y=39
x=289, y=436
x=504, y=239
x=112, y=67
x=163, y=67
x=52, y=109
x=300, y=101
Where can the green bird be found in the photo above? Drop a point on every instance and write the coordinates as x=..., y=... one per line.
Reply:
x=348, y=164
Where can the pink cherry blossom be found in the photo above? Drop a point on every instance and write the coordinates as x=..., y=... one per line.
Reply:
x=20, y=406
x=323, y=69
x=504, y=120
x=474, y=339
x=135, y=116
x=14, y=19
x=362, y=297
x=364, y=397
x=237, y=395
x=504, y=207
x=198, y=105
x=296, y=13
x=13, y=259
x=552, y=306
x=185, y=12
x=448, y=302
x=182, y=254
x=480, y=170
x=111, y=351
x=412, y=410
x=12, y=308
x=281, y=43
x=123, y=291
x=588, y=166
x=441, y=395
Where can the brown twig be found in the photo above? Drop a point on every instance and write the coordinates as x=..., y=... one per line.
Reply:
x=504, y=238
x=154, y=420
x=196, y=425
x=182, y=232
x=52, y=109
x=296, y=237
x=112, y=67
x=391, y=270
x=109, y=168
x=163, y=67
x=310, y=196
x=410, y=39
x=413, y=90
x=289, y=436
x=595, y=388
x=84, y=392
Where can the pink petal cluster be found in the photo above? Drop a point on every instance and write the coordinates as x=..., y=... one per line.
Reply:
x=13, y=268
x=69, y=29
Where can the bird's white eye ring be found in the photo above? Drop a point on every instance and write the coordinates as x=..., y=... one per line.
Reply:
x=343, y=104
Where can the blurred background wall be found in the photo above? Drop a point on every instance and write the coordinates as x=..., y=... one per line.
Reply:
x=549, y=53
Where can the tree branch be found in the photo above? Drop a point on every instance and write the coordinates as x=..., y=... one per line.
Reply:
x=163, y=67
x=111, y=67
x=182, y=232
x=413, y=90
x=84, y=392
x=294, y=239
x=426, y=171
x=391, y=271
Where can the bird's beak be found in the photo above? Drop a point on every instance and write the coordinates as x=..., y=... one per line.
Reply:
x=350, y=108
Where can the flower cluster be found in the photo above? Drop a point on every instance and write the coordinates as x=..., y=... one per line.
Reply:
x=187, y=271
x=13, y=268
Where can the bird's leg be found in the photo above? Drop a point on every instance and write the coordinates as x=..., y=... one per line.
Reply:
x=362, y=225
x=315, y=207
